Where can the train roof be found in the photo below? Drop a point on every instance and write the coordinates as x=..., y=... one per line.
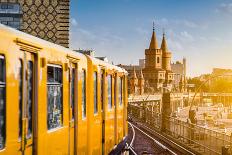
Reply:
x=11, y=32
x=103, y=63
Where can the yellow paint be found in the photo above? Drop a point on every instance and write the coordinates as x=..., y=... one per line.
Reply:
x=61, y=140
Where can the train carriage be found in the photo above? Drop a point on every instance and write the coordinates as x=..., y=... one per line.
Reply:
x=106, y=114
x=57, y=101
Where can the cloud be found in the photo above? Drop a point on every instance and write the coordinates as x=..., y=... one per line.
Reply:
x=185, y=36
x=104, y=43
x=164, y=22
x=73, y=22
x=224, y=8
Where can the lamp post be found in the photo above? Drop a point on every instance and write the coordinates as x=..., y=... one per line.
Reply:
x=192, y=112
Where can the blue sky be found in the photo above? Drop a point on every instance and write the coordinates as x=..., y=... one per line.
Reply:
x=200, y=30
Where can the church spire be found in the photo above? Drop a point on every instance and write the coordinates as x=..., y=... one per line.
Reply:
x=153, y=43
x=141, y=74
x=164, y=46
x=134, y=74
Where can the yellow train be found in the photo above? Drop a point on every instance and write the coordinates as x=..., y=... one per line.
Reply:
x=57, y=101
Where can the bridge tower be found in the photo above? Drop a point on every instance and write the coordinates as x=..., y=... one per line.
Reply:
x=153, y=72
x=141, y=83
x=133, y=83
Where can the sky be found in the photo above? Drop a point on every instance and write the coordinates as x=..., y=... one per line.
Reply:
x=199, y=30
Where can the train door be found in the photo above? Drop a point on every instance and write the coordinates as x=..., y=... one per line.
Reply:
x=102, y=83
x=72, y=111
x=28, y=126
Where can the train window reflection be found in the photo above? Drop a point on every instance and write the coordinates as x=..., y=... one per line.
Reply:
x=83, y=94
x=102, y=90
x=20, y=74
x=72, y=91
x=2, y=103
x=120, y=95
x=95, y=92
x=29, y=97
x=54, y=97
x=109, y=91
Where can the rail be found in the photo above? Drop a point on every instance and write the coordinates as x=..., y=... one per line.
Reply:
x=193, y=137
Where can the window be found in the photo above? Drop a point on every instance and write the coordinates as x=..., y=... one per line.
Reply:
x=120, y=90
x=11, y=14
x=109, y=91
x=158, y=59
x=2, y=103
x=4, y=6
x=72, y=93
x=54, y=97
x=102, y=90
x=20, y=77
x=83, y=77
x=95, y=92
x=29, y=97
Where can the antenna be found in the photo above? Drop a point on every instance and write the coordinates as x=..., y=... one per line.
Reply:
x=153, y=26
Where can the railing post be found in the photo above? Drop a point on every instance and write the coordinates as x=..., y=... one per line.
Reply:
x=165, y=112
x=225, y=150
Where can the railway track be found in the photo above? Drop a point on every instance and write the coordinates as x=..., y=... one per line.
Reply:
x=143, y=141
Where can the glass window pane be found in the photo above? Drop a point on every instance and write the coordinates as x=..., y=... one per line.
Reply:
x=120, y=91
x=2, y=69
x=54, y=97
x=50, y=75
x=102, y=90
x=20, y=74
x=73, y=91
x=95, y=92
x=29, y=96
x=2, y=103
x=109, y=91
x=83, y=94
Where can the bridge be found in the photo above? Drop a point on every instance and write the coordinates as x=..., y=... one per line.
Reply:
x=155, y=117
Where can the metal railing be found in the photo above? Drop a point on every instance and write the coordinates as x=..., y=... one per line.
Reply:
x=194, y=137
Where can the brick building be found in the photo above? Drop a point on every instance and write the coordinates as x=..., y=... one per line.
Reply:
x=46, y=19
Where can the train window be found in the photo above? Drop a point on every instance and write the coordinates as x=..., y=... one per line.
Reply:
x=20, y=74
x=95, y=92
x=2, y=102
x=120, y=91
x=109, y=91
x=29, y=97
x=72, y=91
x=83, y=94
x=54, y=97
x=102, y=90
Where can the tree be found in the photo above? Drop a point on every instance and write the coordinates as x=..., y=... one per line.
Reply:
x=197, y=82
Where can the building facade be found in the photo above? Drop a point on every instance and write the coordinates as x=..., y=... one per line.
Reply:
x=46, y=19
x=179, y=70
x=156, y=73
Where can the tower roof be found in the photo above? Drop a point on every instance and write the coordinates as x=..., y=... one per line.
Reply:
x=134, y=74
x=153, y=43
x=141, y=74
x=164, y=46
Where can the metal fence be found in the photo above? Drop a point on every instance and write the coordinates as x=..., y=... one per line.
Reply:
x=194, y=137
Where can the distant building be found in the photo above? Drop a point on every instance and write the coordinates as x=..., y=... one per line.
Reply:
x=179, y=70
x=155, y=73
x=46, y=19
x=87, y=52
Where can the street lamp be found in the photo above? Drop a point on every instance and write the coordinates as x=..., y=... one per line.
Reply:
x=192, y=113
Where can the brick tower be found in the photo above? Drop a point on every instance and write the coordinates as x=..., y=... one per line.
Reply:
x=166, y=64
x=153, y=71
x=46, y=19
